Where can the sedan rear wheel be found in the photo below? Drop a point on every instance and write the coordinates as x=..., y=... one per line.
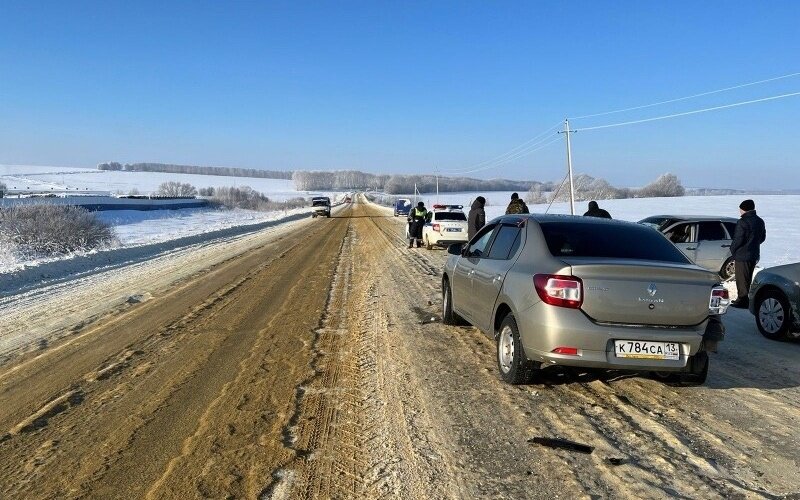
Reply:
x=697, y=370
x=773, y=316
x=515, y=367
x=728, y=269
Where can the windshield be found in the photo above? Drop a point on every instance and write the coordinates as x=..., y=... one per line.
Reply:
x=449, y=216
x=320, y=203
x=658, y=221
x=623, y=241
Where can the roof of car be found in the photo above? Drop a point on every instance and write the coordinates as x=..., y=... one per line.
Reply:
x=577, y=219
x=448, y=208
x=689, y=218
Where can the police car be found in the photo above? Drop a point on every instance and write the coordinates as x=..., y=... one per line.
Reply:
x=448, y=225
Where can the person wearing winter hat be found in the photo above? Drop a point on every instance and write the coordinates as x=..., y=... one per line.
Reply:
x=596, y=211
x=517, y=206
x=746, y=249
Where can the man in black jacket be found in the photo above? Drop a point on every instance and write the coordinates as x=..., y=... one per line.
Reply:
x=596, y=211
x=477, y=216
x=746, y=249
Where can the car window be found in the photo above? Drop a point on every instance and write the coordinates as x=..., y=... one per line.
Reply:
x=731, y=227
x=480, y=242
x=682, y=233
x=710, y=231
x=575, y=239
x=450, y=216
x=505, y=243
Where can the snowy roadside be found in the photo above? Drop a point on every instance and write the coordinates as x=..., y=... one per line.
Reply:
x=143, y=236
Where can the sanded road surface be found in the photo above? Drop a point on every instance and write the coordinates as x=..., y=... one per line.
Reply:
x=315, y=365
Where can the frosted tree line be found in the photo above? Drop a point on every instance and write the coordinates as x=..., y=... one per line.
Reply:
x=401, y=184
x=590, y=188
x=194, y=169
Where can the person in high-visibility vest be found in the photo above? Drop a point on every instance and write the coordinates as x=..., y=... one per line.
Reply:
x=417, y=217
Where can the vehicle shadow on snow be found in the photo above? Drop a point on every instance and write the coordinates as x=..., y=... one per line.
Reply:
x=723, y=377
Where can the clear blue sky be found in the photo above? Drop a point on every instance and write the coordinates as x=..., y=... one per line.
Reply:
x=402, y=86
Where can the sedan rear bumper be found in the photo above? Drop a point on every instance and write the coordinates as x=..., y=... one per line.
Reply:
x=545, y=328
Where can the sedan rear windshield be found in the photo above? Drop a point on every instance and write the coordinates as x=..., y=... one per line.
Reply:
x=582, y=239
x=450, y=216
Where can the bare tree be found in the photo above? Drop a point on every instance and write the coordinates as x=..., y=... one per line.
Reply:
x=2, y=189
x=173, y=188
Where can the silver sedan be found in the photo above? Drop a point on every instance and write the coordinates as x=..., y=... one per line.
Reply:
x=585, y=292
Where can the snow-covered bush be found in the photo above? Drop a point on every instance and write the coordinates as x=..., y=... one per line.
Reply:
x=250, y=199
x=52, y=229
x=381, y=199
x=666, y=185
x=173, y=188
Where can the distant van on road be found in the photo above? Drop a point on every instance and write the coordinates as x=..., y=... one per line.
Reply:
x=402, y=206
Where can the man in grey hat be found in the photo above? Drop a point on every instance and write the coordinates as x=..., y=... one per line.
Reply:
x=746, y=249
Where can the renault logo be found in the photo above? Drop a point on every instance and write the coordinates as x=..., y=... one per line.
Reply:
x=652, y=289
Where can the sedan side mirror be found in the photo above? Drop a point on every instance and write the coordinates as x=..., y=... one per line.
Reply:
x=456, y=249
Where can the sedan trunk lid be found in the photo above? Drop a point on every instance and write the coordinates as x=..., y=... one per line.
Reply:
x=639, y=292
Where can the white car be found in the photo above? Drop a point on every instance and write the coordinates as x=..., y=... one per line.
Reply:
x=448, y=225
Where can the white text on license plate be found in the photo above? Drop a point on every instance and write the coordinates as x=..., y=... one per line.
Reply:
x=646, y=350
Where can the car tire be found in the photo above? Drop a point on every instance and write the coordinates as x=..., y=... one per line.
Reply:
x=697, y=370
x=449, y=317
x=428, y=243
x=728, y=269
x=773, y=315
x=515, y=368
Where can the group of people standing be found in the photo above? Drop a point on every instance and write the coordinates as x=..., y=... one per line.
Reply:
x=750, y=233
x=477, y=214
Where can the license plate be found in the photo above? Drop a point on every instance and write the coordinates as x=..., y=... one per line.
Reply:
x=646, y=350
x=454, y=229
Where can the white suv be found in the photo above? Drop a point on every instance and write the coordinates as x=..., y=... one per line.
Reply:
x=448, y=225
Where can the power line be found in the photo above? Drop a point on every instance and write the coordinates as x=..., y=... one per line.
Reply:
x=704, y=110
x=555, y=195
x=726, y=89
x=518, y=155
x=532, y=142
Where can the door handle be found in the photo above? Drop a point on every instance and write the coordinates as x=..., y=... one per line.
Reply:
x=472, y=271
x=691, y=248
x=725, y=246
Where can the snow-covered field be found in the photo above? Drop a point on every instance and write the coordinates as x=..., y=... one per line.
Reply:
x=135, y=228
x=779, y=212
x=63, y=178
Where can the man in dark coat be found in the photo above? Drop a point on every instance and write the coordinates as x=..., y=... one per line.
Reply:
x=477, y=216
x=516, y=206
x=746, y=249
x=417, y=217
x=596, y=211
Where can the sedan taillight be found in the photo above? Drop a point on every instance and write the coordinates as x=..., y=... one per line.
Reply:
x=436, y=227
x=720, y=300
x=557, y=290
